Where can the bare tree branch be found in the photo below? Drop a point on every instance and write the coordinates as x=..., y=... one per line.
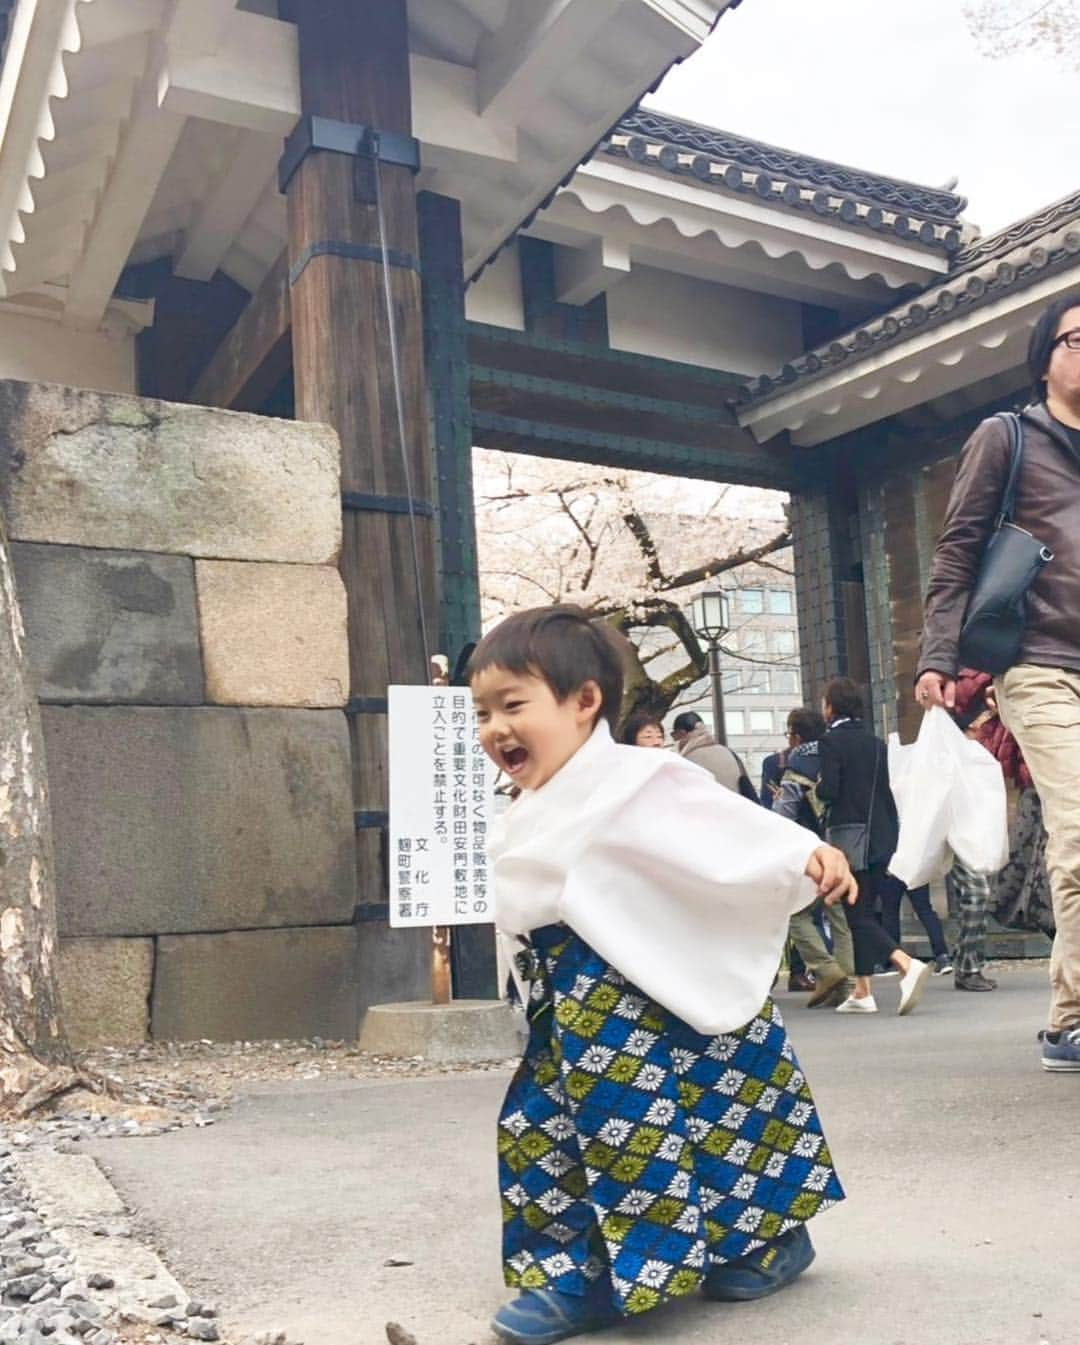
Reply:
x=722, y=564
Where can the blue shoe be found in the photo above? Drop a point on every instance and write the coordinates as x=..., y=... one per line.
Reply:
x=543, y=1316
x=1062, y=1055
x=763, y=1271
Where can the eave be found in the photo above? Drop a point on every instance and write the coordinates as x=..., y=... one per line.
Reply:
x=972, y=327
x=163, y=124
x=684, y=225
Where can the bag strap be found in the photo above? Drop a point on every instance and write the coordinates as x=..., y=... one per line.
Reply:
x=1016, y=455
x=873, y=787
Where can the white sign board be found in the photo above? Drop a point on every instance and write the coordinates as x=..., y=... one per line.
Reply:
x=441, y=804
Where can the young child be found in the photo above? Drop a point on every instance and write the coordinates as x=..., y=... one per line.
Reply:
x=658, y=1136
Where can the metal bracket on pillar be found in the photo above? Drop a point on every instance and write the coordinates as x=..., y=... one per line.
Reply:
x=358, y=503
x=366, y=144
x=367, y=705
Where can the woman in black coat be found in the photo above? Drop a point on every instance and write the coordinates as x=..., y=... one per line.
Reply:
x=855, y=784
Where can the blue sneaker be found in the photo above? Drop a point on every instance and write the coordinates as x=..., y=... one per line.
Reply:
x=763, y=1271
x=1062, y=1055
x=543, y=1316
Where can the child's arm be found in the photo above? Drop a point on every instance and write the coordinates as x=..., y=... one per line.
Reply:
x=829, y=869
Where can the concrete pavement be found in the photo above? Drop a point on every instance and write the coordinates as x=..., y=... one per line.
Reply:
x=958, y=1153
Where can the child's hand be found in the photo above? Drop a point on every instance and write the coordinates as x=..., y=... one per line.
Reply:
x=829, y=869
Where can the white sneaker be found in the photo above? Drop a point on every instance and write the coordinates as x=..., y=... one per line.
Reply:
x=852, y=1005
x=912, y=984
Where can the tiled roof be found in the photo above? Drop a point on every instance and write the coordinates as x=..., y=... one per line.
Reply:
x=1009, y=260
x=798, y=181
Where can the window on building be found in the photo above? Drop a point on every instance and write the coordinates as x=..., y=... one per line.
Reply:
x=754, y=642
x=756, y=682
x=734, y=722
x=731, y=682
x=761, y=721
x=783, y=642
x=751, y=601
x=785, y=682
x=780, y=601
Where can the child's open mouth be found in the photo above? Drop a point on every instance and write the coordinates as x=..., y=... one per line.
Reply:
x=514, y=759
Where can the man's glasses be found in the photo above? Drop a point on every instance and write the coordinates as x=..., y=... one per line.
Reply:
x=1070, y=340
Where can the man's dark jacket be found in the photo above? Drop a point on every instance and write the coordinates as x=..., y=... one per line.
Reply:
x=1048, y=506
x=850, y=757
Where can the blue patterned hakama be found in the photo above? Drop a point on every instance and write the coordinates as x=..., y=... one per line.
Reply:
x=633, y=1148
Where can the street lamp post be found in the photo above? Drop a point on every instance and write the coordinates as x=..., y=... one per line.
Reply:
x=710, y=619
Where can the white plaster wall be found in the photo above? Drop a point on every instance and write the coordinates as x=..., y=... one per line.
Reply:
x=676, y=317
x=496, y=296
x=38, y=351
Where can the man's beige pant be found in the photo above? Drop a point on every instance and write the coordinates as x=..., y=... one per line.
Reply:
x=806, y=937
x=1041, y=708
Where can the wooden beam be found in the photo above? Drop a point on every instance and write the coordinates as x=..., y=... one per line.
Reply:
x=354, y=67
x=517, y=64
x=145, y=149
x=225, y=209
x=581, y=274
x=109, y=21
x=601, y=367
x=763, y=467
x=257, y=352
x=31, y=74
x=248, y=78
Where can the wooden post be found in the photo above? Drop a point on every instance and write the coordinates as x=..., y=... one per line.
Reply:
x=440, y=965
x=354, y=67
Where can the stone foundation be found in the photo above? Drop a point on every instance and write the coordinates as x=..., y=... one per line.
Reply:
x=186, y=630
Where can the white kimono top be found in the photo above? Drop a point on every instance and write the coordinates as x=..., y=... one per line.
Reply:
x=683, y=886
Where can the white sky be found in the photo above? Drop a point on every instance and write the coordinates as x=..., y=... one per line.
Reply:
x=898, y=86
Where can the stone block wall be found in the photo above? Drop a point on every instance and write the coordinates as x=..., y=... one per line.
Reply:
x=186, y=627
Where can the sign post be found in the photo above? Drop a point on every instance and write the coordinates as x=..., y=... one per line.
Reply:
x=442, y=788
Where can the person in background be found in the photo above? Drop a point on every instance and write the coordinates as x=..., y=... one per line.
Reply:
x=892, y=894
x=854, y=783
x=772, y=770
x=797, y=800
x=697, y=744
x=1039, y=696
x=642, y=730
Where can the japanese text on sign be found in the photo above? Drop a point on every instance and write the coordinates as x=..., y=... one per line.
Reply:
x=441, y=792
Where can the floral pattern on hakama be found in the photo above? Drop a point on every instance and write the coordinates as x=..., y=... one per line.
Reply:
x=634, y=1149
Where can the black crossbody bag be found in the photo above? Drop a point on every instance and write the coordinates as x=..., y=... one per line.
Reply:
x=993, y=628
x=853, y=838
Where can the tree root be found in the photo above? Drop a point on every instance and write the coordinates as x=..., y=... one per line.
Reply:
x=28, y=1086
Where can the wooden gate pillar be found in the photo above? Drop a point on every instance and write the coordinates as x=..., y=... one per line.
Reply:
x=447, y=358
x=354, y=71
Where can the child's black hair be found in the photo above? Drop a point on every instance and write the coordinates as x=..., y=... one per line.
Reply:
x=561, y=644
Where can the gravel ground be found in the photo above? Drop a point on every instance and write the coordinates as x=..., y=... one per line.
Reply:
x=206, y=1075
x=46, y=1296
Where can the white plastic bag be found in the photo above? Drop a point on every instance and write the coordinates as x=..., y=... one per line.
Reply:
x=979, y=823
x=950, y=794
x=921, y=775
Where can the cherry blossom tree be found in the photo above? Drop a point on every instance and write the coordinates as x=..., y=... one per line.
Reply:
x=630, y=547
x=1004, y=27
x=35, y=1061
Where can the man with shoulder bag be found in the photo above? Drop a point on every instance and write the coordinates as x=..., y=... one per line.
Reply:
x=1004, y=598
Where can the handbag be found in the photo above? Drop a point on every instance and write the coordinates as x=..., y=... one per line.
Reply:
x=853, y=838
x=993, y=626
